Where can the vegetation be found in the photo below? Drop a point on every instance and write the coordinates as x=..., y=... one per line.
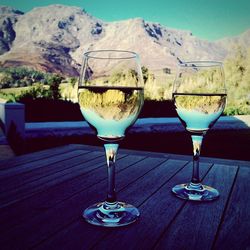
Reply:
x=54, y=82
x=21, y=77
x=19, y=83
x=24, y=84
x=44, y=110
x=237, y=72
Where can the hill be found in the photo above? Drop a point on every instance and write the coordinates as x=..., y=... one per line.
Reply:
x=53, y=39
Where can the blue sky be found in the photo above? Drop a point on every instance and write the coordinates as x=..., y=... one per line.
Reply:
x=207, y=19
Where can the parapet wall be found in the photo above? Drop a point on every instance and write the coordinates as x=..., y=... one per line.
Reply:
x=12, y=118
x=230, y=135
x=144, y=125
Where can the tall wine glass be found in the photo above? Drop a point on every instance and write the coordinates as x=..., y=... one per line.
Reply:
x=199, y=96
x=111, y=95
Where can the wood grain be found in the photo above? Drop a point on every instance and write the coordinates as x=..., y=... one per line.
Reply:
x=197, y=222
x=234, y=232
x=19, y=160
x=43, y=195
x=70, y=209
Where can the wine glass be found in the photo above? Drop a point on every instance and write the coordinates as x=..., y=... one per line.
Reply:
x=199, y=96
x=111, y=95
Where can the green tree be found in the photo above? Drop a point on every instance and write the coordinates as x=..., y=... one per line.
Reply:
x=145, y=73
x=54, y=83
x=73, y=81
x=237, y=72
x=5, y=79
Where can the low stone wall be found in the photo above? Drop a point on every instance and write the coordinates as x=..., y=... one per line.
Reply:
x=144, y=125
x=229, y=138
x=12, y=114
x=12, y=118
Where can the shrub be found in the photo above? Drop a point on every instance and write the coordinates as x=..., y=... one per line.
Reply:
x=153, y=108
x=7, y=97
x=54, y=82
x=36, y=91
x=234, y=110
x=19, y=76
x=44, y=110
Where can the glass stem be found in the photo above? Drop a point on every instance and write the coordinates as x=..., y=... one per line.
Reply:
x=111, y=152
x=197, y=141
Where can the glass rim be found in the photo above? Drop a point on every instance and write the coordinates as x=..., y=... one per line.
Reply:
x=200, y=64
x=129, y=54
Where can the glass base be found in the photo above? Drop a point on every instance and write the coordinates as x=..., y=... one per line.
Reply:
x=111, y=214
x=195, y=192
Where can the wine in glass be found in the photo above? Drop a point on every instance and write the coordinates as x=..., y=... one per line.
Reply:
x=111, y=95
x=199, y=96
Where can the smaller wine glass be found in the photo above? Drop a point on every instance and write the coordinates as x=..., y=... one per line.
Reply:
x=110, y=95
x=199, y=96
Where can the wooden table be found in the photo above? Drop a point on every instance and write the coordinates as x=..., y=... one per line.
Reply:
x=43, y=195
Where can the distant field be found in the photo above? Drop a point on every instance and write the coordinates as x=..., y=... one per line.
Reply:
x=14, y=90
x=7, y=92
x=18, y=90
x=157, y=95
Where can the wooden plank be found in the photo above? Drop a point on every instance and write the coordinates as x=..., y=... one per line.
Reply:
x=38, y=228
x=234, y=232
x=128, y=151
x=89, y=174
x=226, y=162
x=75, y=169
x=38, y=164
x=28, y=189
x=60, y=193
x=14, y=182
x=214, y=160
x=178, y=156
x=136, y=193
x=19, y=160
x=145, y=153
x=197, y=223
x=156, y=213
x=47, y=197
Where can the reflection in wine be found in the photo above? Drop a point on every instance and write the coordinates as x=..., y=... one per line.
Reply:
x=110, y=110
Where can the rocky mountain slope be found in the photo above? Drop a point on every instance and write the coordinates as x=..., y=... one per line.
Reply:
x=8, y=18
x=53, y=39
x=229, y=42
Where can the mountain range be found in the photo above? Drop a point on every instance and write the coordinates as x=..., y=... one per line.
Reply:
x=54, y=38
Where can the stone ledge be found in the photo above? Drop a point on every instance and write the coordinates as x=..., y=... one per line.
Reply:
x=144, y=125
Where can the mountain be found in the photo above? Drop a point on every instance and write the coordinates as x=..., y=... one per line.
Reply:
x=229, y=42
x=53, y=39
x=8, y=18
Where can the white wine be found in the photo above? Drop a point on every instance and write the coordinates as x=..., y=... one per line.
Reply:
x=110, y=110
x=198, y=112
